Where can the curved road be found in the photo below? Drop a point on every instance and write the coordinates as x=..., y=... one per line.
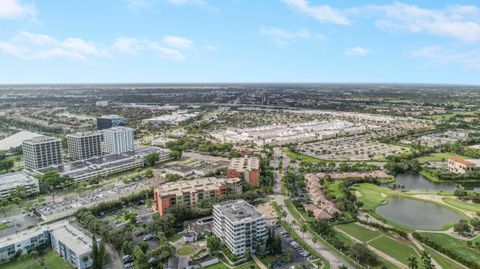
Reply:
x=334, y=260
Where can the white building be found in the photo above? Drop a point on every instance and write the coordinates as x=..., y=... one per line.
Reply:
x=42, y=151
x=240, y=226
x=72, y=244
x=118, y=139
x=9, y=182
x=23, y=241
x=84, y=145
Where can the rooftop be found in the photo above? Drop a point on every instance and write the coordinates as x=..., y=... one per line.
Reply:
x=41, y=139
x=244, y=164
x=188, y=186
x=462, y=161
x=110, y=117
x=73, y=238
x=12, y=180
x=84, y=134
x=238, y=210
x=118, y=129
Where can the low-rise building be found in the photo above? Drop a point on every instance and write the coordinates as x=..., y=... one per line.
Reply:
x=72, y=244
x=246, y=168
x=107, y=164
x=240, y=226
x=10, y=182
x=460, y=166
x=190, y=192
x=321, y=207
x=23, y=241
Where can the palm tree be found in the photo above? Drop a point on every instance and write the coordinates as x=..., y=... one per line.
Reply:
x=427, y=260
x=412, y=262
x=303, y=228
x=314, y=240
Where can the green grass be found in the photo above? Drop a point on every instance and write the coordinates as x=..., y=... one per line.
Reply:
x=359, y=232
x=457, y=246
x=438, y=157
x=51, y=260
x=332, y=188
x=371, y=195
x=303, y=158
x=293, y=211
x=221, y=265
x=442, y=261
x=185, y=250
x=462, y=204
x=393, y=248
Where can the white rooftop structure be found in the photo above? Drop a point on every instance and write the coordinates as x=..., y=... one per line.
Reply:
x=16, y=140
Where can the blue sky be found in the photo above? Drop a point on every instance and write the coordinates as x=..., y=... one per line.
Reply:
x=115, y=41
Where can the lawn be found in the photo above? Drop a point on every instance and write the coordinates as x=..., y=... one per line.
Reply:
x=438, y=157
x=371, y=195
x=51, y=260
x=303, y=158
x=359, y=232
x=462, y=204
x=393, y=248
x=443, y=262
x=457, y=246
x=220, y=265
x=185, y=250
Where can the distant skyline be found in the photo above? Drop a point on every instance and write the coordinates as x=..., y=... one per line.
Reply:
x=202, y=41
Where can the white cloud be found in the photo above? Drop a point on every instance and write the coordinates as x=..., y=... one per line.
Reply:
x=138, y=5
x=284, y=37
x=438, y=54
x=322, y=13
x=177, y=42
x=457, y=22
x=168, y=53
x=14, y=9
x=211, y=48
x=186, y=2
x=356, y=51
x=29, y=46
x=127, y=45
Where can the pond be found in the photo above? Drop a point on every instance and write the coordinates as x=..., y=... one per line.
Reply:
x=417, y=214
x=419, y=182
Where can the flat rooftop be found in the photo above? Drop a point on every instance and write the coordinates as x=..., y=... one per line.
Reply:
x=12, y=180
x=110, y=117
x=188, y=186
x=41, y=139
x=238, y=211
x=84, y=134
x=244, y=164
x=72, y=237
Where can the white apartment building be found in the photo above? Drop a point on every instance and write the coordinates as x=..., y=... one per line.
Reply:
x=118, y=139
x=42, y=151
x=240, y=226
x=84, y=145
x=23, y=241
x=9, y=182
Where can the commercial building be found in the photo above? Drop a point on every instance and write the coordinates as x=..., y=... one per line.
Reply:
x=107, y=164
x=109, y=121
x=42, y=151
x=84, y=145
x=67, y=240
x=72, y=244
x=246, y=168
x=175, y=118
x=190, y=192
x=460, y=166
x=240, y=226
x=9, y=182
x=118, y=139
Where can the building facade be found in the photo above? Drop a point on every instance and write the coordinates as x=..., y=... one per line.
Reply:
x=240, y=226
x=246, y=168
x=22, y=242
x=42, y=151
x=190, y=192
x=109, y=121
x=73, y=245
x=460, y=166
x=9, y=183
x=118, y=140
x=84, y=145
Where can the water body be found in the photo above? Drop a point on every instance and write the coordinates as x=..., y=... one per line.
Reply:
x=419, y=182
x=417, y=214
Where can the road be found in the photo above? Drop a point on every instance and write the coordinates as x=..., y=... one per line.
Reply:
x=334, y=260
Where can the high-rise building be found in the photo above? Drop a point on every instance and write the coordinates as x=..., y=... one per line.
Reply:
x=109, y=121
x=84, y=145
x=42, y=151
x=246, y=168
x=118, y=139
x=240, y=226
x=190, y=192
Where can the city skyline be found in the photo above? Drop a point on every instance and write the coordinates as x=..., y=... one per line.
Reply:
x=201, y=41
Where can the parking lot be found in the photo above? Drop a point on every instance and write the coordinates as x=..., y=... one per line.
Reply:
x=299, y=256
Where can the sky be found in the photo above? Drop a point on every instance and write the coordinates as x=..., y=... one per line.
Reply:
x=188, y=41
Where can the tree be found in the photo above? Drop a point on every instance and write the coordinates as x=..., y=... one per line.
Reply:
x=462, y=227
x=303, y=229
x=213, y=243
x=176, y=154
x=412, y=262
x=152, y=158
x=101, y=254
x=149, y=172
x=95, y=253
x=6, y=165
x=427, y=260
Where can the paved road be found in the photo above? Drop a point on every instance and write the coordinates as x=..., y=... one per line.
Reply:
x=334, y=260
